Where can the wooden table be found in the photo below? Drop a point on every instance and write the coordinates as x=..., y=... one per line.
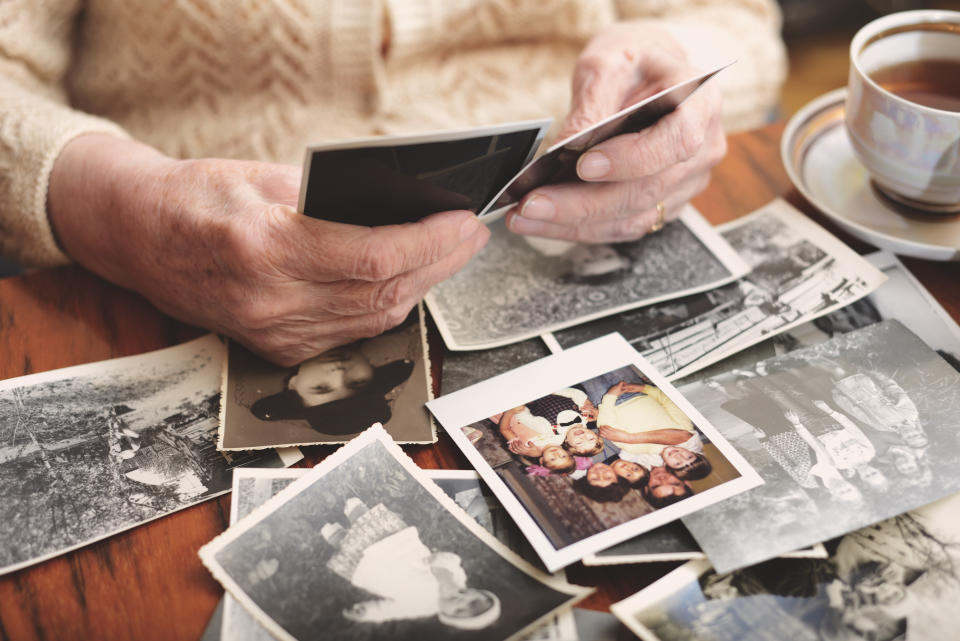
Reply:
x=148, y=583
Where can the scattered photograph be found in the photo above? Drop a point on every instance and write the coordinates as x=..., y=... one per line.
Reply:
x=364, y=546
x=519, y=287
x=901, y=297
x=845, y=433
x=213, y=629
x=92, y=450
x=593, y=625
x=898, y=579
x=590, y=447
x=463, y=369
x=252, y=487
x=476, y=499
x=332, y=397
x=671, y=542
x=799, y=272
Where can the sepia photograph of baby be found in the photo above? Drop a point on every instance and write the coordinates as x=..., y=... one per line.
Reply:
x=605, y=451
x=331, y=397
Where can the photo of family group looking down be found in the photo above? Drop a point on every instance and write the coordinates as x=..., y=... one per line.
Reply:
x=588, y=457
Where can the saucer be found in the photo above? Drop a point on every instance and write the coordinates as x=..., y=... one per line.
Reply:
x=819, y=159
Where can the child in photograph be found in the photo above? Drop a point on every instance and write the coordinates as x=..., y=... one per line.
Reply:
x=582, y=441
x=545, y=420
x=663, y=488
x=554, y=459
x=380, y=554
x=633, y=474
x=337, y=392
x=601, y=484
x=824, y=468
x=685, y=464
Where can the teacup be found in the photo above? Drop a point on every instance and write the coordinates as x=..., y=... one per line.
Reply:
x=903, y=107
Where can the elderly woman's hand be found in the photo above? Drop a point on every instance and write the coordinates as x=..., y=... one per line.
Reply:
x=632, y=176
x=218, y=243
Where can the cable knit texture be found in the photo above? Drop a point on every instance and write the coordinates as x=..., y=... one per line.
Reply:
x=262, y=79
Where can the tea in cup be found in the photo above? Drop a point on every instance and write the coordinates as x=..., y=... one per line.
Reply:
x=903, y=107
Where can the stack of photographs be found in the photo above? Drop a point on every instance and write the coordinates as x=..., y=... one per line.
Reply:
x=828, y=382
x=743, y=421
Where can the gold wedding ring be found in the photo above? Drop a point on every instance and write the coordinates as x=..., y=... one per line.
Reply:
x=661, y=212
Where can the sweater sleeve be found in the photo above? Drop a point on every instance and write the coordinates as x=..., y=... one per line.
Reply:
x=36, y=122
x=713, y=31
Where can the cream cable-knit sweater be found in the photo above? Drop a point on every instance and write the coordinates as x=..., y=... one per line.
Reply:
x=261, y=79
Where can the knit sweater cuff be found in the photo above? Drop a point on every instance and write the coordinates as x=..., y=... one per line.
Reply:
x=29, y=152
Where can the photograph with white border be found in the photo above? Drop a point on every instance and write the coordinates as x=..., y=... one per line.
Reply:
x=845, y=433
x=799, y=271
x=469, y=492
x=901, y=297
x=92, y=450
x=252, y=487
x=590, y=447
x=463, y=369
x=898, y=579
x=672, y=542
x=366, y=546
x=518, y=287
x=332, y=397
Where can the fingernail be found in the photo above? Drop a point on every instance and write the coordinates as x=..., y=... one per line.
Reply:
x=593, y=165
x=469, y=227
x=538, y=208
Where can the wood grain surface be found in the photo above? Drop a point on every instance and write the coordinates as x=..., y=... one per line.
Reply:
x=148, y=583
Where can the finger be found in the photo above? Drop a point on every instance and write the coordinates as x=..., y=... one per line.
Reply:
x=319, y=322
x=680, y=136
x=352, y=298
x=607, y=212
x=577, y=203
x=311, y=249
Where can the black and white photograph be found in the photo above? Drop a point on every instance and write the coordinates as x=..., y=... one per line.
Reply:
x=590, y=447
x=672, y=542
x=476, y=499
x=519, y=287
x=901, y=297
x=799, y=272
x=463, y=369
x=332, y=397
x=364, y=546
x=845, y=433
x=389, y=180
x=92, y=450
x=252, y=488
x=895, y=580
